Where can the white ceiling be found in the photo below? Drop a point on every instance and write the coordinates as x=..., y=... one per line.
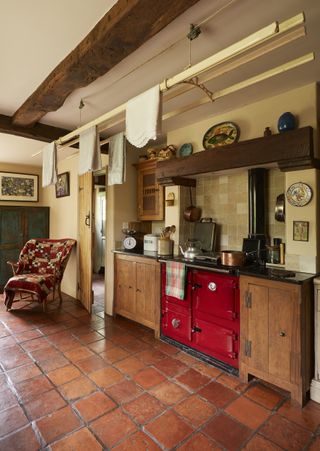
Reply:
x=36, y=35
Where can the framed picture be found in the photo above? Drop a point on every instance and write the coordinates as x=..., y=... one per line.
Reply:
x=301, y=230
x=63, y=185
x=16, y=187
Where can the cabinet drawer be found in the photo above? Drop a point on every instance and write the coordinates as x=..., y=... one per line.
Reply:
x=176, y=325
x=216, y=294
x=217, y=341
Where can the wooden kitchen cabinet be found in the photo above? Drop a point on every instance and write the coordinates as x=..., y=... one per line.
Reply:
x=150, y=193
x=137, y=290
x=276, y=334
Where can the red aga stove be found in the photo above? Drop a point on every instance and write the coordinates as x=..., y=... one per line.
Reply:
x=207, y=319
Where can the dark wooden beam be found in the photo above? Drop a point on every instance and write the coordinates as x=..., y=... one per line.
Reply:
x=128, y=25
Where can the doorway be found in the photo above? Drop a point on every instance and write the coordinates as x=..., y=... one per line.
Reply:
x=99, y=240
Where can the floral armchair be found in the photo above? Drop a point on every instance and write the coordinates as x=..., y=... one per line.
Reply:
x=39, y=270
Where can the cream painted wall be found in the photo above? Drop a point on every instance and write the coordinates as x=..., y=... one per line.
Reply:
x=24, y=169
x=252, y=120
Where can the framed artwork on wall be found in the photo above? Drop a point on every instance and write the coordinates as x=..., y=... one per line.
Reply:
x=63, y=185
x=300, y=230
x=16, y=187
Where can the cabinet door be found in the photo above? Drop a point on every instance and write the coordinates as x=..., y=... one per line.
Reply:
x=37, y=223
x=125, y=288
x=150, y=194
x=145, y=293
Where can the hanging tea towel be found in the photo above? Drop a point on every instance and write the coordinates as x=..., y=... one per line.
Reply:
x=175, y=279
x=89, y=154
x=49, y=164
x=143, y=117
x=117, y=160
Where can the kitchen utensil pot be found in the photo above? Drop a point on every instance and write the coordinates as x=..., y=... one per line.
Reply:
x=233, y=258
x=279, y=211
x=192, y=213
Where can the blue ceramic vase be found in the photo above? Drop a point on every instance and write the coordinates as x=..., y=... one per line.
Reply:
x=286, y=122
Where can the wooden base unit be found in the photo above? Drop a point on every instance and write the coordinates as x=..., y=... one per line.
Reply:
x=137, y=290
x=276, y=334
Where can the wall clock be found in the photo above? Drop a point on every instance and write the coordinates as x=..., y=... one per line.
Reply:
x=299, y=194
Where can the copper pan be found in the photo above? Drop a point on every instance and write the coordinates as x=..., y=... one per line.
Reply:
x=233, y=258
x=192, y=213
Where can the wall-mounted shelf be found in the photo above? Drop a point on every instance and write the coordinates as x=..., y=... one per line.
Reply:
x=289, y=151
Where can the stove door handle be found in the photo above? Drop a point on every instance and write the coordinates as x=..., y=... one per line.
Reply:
x=195, y=286
x=175, y=323
x=212, y=286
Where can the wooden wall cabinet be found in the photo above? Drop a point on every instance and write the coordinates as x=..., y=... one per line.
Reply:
x=150, y=194
x=137, y=290
x=17, y=226
x=276, y=334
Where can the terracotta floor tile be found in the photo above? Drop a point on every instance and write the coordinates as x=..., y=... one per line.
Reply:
x=32, y=387
x=259, y=443
x=169, y=393
x=13, y=357
x=199, y=442
x=6, y=342
x=130, y=365
x=170, y=366
x=137, y=442
x=150, y=357
x=63, y=375
x=101, y=345
x=22, y=440
x=166, y=348
x=119, y=337
x=308, y=417
x=265, y=396
x=44, y=354
x=44, y=404
x=248, y=412
x=77, y=388
x=58, y=424
x=35, y=344
x=12, y=419
x=23, y=373
x=144, y=408
x=206, y=369
x=7, y=399
x=106, y=376
x=193, y=380
x=94, y=406
x=227, y=432
x=195, y=410
x=53, y=364
x=169, y=430
x=114, y=354
x=91, y=337
x=92, y=363
x=135, y=346
x=217, y=394
x=52, y=329
x=29, y=335
x=112, y=427
x=81, y=330
x=186, y=358
x=124, y=391
x=77, y=354
x=232, y=382
x=148, y=377
x=82, y=440
x=315, y=445
x=286, y=434
x=3, y=382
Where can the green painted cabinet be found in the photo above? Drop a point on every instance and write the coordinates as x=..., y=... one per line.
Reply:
x=18, y=225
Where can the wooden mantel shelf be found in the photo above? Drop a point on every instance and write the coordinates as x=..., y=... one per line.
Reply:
x=288, y=151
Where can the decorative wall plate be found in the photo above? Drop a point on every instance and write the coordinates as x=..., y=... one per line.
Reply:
x=299, y=194
x=185, y=150
x=220, y=135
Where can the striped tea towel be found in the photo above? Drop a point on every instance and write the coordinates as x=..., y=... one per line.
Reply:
x=175, y=279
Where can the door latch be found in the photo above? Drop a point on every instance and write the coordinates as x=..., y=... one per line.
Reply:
x=87, y=220
x=196, y=329
x=175, y=323
x=195, y=286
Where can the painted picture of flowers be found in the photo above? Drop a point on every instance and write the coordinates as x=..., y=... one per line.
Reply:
x=17, y=187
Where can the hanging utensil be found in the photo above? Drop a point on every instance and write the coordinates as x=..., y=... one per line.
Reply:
x=192, y=213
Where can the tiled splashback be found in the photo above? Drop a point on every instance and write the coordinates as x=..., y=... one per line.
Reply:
x=224, y=198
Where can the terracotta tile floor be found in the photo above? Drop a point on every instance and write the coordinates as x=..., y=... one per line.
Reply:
x=70, y=381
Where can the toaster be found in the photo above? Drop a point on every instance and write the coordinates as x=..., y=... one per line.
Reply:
x=150, y=242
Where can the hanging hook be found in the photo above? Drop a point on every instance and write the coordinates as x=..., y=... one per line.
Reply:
x=194, y=32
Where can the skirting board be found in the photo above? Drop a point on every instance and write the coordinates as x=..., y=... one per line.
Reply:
x=315, y=390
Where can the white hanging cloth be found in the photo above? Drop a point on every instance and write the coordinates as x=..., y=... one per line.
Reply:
x=144, y=116
x=89, y=153
x=49, y=164
x=117, y=160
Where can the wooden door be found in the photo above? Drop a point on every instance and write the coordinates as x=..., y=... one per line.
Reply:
x=85, y=240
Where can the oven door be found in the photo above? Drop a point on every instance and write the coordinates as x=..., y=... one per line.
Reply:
x=176, y=325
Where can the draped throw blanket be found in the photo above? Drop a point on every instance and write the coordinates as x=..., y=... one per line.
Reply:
x=117, y=160
x=89, y=154
x=143, y=117
x=49, y=164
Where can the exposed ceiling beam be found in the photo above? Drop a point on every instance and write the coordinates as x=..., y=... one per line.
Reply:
x=124, y=28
